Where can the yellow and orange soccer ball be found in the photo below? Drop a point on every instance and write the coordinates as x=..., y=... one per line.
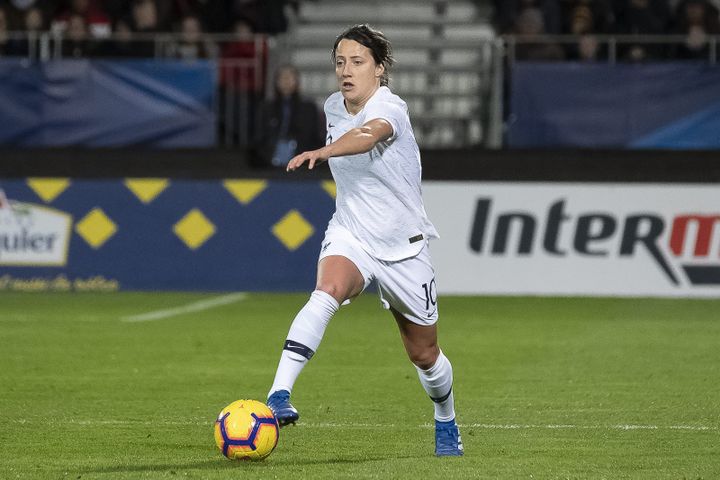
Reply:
x=246, y=430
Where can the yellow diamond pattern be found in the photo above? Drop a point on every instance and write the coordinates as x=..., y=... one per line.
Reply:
x=48, y=188
x=194, y=229
x=245, y=191
x=146, y=189
x=293, y=230
x=96, y=228
x=330, y=187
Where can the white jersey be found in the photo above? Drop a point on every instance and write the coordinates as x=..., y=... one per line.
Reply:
x=379, y=199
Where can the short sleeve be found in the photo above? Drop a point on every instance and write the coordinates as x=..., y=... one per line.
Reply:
x=394, y=114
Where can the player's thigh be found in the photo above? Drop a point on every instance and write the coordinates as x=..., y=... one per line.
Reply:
x=409, y=288
x=339, y=277
x=344, y=268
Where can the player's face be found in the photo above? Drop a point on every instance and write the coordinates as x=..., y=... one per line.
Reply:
x=357, y=73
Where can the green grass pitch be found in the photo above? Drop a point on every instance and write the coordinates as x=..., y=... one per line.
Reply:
x=545, y=388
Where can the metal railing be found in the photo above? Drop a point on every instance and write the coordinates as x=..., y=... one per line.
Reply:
x=48, y=45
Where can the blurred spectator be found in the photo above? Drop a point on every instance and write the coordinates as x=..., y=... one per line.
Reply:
x=588, y=49
x=33, y=23
x=192, y=44
x=144, y=16
x=585, y=18
x=641, y=17
x=122, y=44
x=164, y=13
x=16, y=11
x=289, y=123
x=76, y=43
x=581, y=20
x=588, y=16
x=97, y=22
x=34, y=20
x=267, y=16
x=530, y=23
x=143, y=20
x=213, y=14
x=507, y=13
x=133, y=32
x=696, y=19
x=246, y=50
x=242, y=81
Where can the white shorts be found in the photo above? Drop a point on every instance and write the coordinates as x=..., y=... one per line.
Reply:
x=406, y=285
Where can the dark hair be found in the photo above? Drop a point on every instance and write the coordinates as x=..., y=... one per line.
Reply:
x=373, y=39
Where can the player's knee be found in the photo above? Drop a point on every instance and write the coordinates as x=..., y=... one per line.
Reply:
x=334, y=290
x=424, y=357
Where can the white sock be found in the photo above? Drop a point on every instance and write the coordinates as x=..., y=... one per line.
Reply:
x=437, y=381
x=303, y=339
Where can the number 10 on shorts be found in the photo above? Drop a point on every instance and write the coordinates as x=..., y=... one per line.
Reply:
x=430, y=294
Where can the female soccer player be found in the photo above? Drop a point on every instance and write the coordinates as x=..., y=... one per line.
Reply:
x=379, y=231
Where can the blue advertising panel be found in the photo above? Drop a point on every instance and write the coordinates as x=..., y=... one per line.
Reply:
x=161, y=234
x=663, y=105
x=95, y=103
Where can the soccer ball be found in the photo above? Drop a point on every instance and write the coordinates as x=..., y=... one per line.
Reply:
x=246, y=430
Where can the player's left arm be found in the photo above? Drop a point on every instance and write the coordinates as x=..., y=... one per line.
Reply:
x=357, y=140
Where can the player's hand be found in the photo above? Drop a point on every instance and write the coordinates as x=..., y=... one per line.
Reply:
x=312, y=157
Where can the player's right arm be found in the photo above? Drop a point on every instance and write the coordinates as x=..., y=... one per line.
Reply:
x=357, y=140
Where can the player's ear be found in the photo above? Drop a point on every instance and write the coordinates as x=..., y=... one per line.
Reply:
x=379, y=70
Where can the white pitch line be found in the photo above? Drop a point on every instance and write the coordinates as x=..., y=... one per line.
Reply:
x=485, y=426
x=587, y=427
x=189, y=308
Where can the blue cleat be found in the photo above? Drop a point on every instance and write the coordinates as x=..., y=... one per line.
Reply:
x=279, y=403
x=447, y=439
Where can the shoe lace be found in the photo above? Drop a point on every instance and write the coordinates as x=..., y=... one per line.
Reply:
x=449, y=436
x=279, y=398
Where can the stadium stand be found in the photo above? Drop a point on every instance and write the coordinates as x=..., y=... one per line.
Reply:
x=454, y=58
x=445, y=61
